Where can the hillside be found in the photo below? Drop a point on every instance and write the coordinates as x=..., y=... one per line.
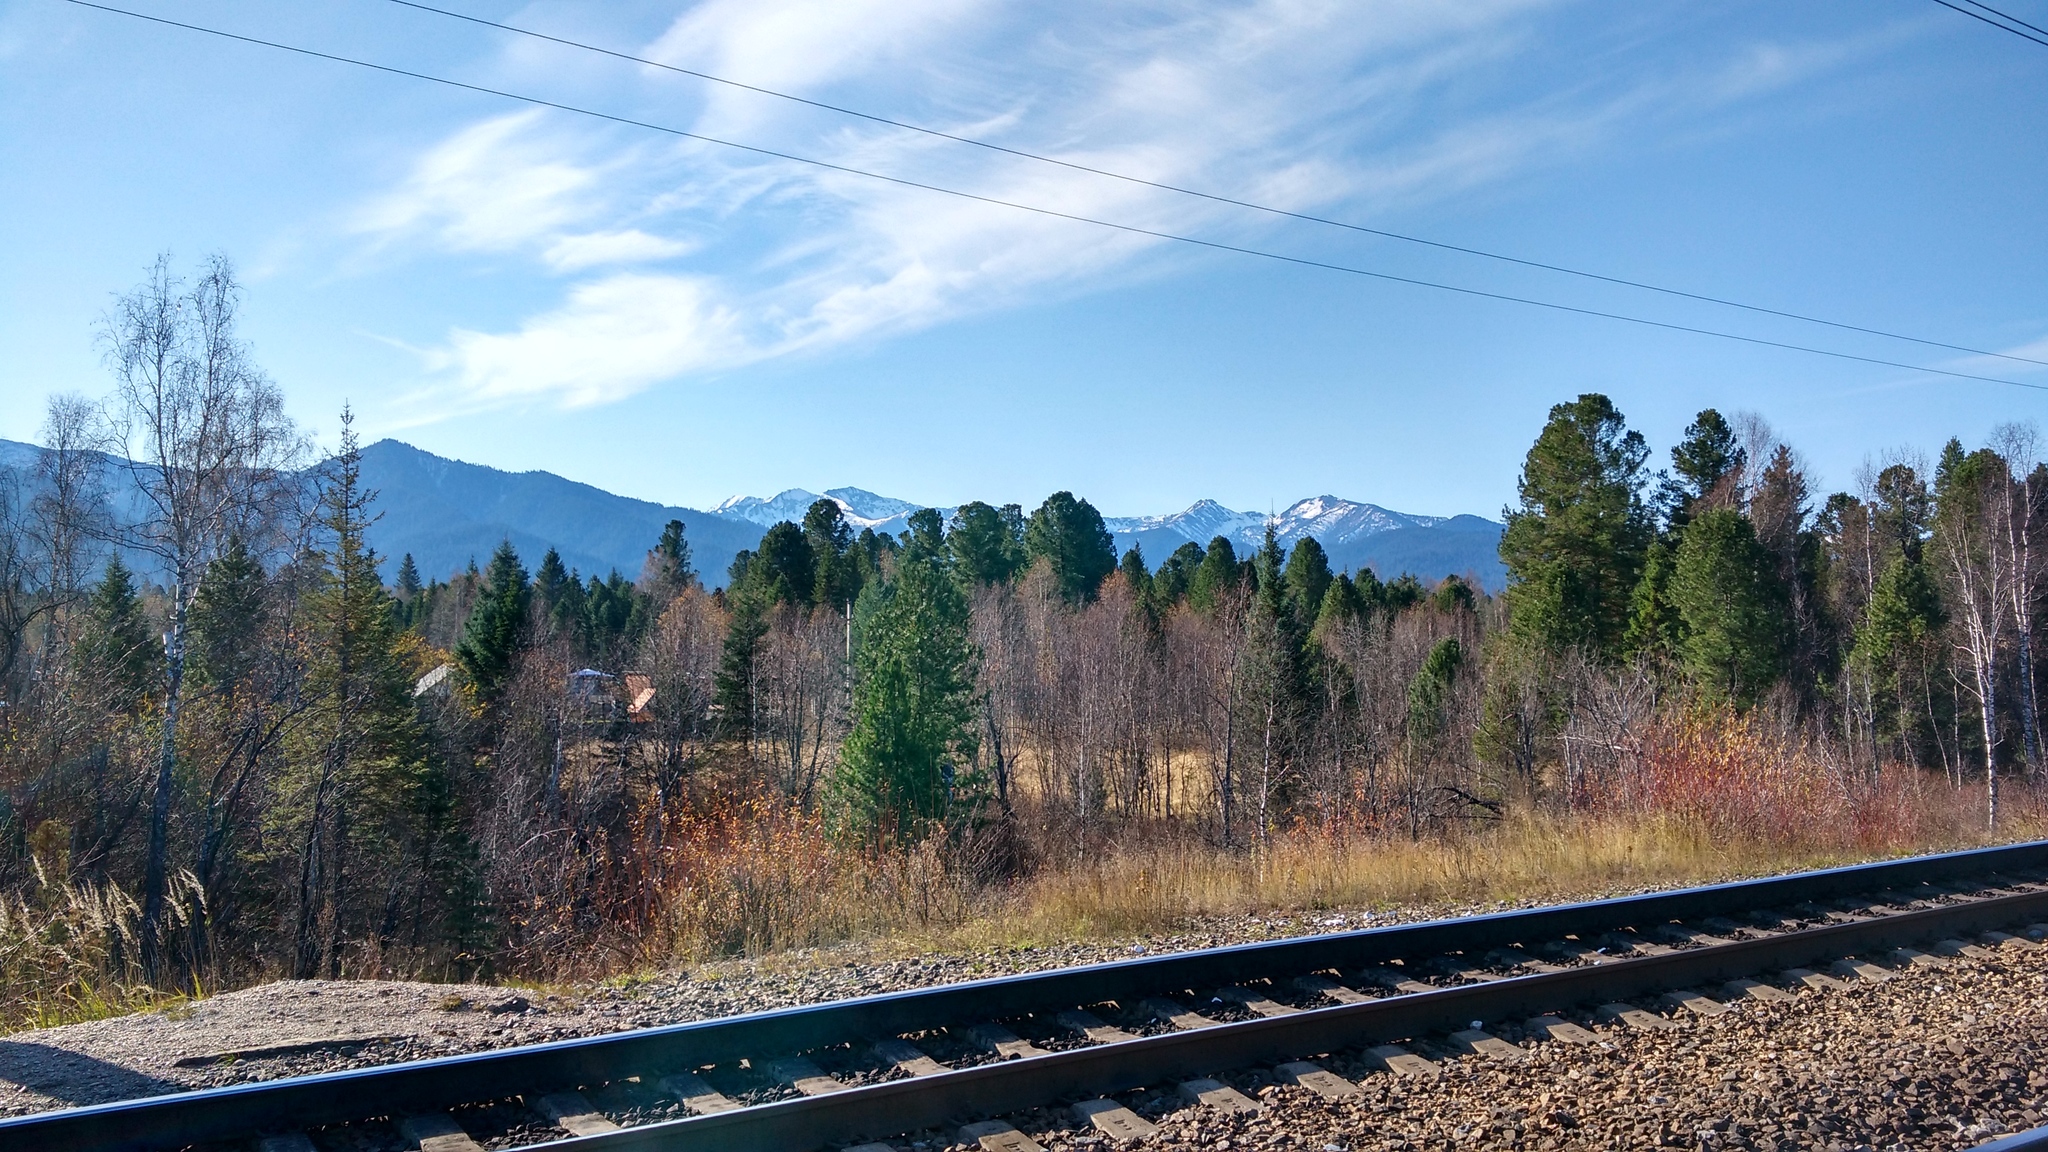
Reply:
x=447, y=513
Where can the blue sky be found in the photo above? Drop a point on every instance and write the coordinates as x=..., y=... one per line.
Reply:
x=672, y=320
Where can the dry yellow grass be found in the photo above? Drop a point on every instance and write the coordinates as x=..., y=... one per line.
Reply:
x=1527, y=857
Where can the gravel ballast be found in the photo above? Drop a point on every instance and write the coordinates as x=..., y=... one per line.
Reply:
x=1944, y=1059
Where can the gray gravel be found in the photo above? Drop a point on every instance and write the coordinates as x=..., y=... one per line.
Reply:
x=1931, y=1060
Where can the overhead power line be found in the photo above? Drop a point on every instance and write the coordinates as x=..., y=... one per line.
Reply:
x=2007, y=16
x=1132, y=229
x=2020, y=31
x=1213, y=197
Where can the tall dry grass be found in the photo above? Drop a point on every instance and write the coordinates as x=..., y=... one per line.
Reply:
x=69, y=952
x=1695, y=800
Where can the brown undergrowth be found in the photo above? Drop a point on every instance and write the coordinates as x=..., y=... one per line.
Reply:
x=723, y=875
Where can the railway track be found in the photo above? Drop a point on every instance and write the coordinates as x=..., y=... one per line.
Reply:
x=961, y=1057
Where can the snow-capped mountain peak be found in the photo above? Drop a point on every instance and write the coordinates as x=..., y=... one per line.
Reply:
x=861, y=504
x=1332, y=520
x=789, y=504
x=862, y=509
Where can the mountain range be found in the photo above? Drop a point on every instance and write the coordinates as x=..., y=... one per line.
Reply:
x=447, y=513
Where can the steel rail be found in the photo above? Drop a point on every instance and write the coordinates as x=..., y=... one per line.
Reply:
x=2032, y=1140
x=897, y=1106
x=438, y=1084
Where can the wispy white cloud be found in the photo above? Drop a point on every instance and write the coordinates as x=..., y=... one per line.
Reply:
x=1304, y=104
x=611, y=338
x=573, y=253
x=494, y=186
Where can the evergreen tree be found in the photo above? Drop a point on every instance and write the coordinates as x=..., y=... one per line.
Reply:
x=614, y=615
x=1308, y=577
x=407, y=604
x=868, y=550
x=1654, y=627
x=1904, y=509
x=558, y=605
x=1342, y=605
x=1274, y=679
x=409, y=586
x=228, y=614
x=1069, y=535
x=733, y=687
x=1216, y=578
x=836, y=579
x=668, y=569
x=924, y=537
x=1731, y=606
x=117, y=650
x=1900, y=630
x=1574, y=548
x=1136, y=576
x=987, y=543
x=906, y=763
x=497, y=624
x=1429, y=695
x=1177, y=574
x=1371, y=593
x=1708, y=462
x=1453, y=595
x=736, y=572
x=1402, y=592
x=783, y=569
x=362, y=756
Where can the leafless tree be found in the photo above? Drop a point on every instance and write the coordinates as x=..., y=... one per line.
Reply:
x=2025, y=498
x=200, y=436
x=1971, y=539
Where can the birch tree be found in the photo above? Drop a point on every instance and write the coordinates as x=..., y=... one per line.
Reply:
x=205, y=452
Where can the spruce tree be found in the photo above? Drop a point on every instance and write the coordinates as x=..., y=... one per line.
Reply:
x=118, y=654
x=614, y=613
x=1574, y=548
x=1371, y=593
x=1453, y=595
x=361, y=754
x=1216, y=578
x=1899, y=633
x=497, y=625
x=1342, y=605
x=1429, y=696
x=783, y=569
x=558, y=603
x=228, y=614
x=733, y=686
x=1400, y=593
x=1654, y=627
x=1731, y=606
x=1136, y=575
x=907, y=762
x=409, y=586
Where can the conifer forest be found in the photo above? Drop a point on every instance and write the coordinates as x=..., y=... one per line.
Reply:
x=238, y=743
